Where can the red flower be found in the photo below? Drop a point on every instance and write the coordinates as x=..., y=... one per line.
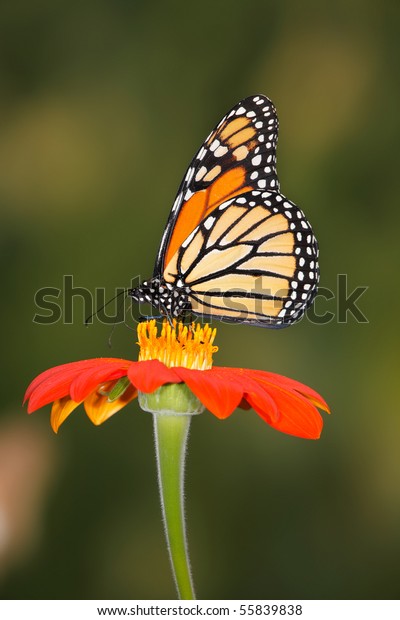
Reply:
x=285, y=404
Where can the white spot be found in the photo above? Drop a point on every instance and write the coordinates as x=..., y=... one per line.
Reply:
x=279, y=198
x=269, y=159
x=288, y=303
x=309, y=251
x=225, y=204
x=255, y=99
x=177, y=202
x=220, y=151
x=300, y=275
x=262, y=183
x=252, y=203
x=304, y=224
x=250, y=114
x=209, y=222
x=292, y=226
x=282, y=312
x=258, y=125
x=287, y=204
x=307, y=287
x=293, y=295
x=273, y=183
x=260, y=102
x=308, y=238
x=299, y=236
x=268, y=145
x=240, y=110
x=241, y=200
x=189, y=175
x=267, y=169
x=302, y=262
x=304, y=296
x=231, y=113
x=254, y=175
x=268, y=204
x=256, y=161
x=266, y=194
x=202, y=171
x=261, y=138
x=214, y=145
x=184, y=245
x=289, y=215
x=188, y=194
x=202, y=152
x=266, y=109
x=271, y=120
x=297, y=251
x=311, y=275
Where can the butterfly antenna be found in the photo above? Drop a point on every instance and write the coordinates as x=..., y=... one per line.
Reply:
x=123, y=292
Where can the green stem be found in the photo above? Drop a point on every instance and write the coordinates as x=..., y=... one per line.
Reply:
x=171, y=433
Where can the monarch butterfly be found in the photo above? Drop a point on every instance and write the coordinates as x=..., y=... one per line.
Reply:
x=234, y=248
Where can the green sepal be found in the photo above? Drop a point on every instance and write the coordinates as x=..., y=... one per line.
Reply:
x=119, y=388
x=171, y=399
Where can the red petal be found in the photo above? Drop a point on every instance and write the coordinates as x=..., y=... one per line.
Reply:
x=82, y=364
x=86, y=382
x=219, y=392
x=55, y=383
x=253, y=395
x=298, y=416
x=149, y=375
x=280, y=401
x=290, y=384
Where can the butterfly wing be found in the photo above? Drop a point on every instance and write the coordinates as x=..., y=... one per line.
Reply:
x=254, y=259
x=239, y=155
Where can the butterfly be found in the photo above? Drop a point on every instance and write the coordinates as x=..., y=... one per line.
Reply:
x=234, y=247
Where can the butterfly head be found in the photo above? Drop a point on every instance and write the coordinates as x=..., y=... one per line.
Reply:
x=168, y=299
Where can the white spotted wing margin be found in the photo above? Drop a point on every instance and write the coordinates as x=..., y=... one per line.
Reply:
x=242, y=144
x=253, y=260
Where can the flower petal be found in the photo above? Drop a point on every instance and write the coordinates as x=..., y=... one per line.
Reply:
x=60, y=411
x=55, y=382
x=299, y=416
x=290, y=384
x=149, y=375
x=52, y=372
x=88, y=380
x=253, y=393
x=99, y=409
x=219, y=392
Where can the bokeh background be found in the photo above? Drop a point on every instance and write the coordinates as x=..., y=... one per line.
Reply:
x=102, y=106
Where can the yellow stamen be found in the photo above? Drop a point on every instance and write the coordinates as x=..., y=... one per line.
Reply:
x=177, y=345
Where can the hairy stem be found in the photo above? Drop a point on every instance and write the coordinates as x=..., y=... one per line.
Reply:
x=171, y=433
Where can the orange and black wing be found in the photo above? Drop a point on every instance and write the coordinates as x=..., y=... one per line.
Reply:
x=238, y=156
x=254, y=259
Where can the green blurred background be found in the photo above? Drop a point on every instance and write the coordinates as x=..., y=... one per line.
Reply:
x=102, y=106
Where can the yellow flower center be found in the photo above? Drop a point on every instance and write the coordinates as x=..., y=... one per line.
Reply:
x=177, y=345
